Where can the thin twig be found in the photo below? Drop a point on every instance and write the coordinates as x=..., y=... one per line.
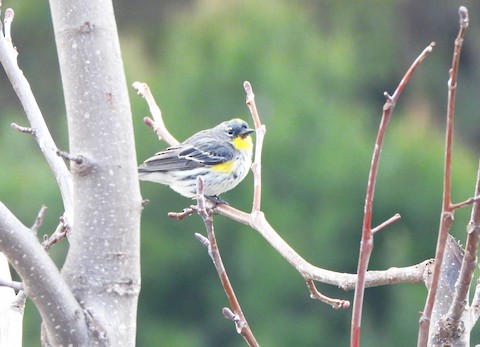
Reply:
x=8, y=59
x=467, y=202
x=39, y=219
x=181, y=215
x=207, y=216
x=389, y=221
x=157, y=123
x=81, y=164
x=20, y=129
x=448, y=209
x=8, y=20
x=77, y=159
x=366, y=245
x=11, y=284
x=260, y=131
x=335, y=303
x=203, y=240
x=59, y=234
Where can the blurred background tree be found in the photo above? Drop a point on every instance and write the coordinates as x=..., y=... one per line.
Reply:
x=319, y=69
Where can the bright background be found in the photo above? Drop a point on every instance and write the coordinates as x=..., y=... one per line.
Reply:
x=319, y=70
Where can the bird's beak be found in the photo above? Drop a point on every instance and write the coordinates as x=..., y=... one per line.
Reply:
x=246, y=132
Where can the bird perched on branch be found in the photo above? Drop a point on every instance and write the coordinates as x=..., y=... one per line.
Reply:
x=221, y=155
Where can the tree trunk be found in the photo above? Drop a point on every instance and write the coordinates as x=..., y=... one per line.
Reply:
x=102, y=267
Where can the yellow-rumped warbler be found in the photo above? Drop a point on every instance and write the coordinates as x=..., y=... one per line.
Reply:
x=221, y=155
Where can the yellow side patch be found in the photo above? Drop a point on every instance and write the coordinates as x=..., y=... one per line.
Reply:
x=243, y=143
x=226, y=167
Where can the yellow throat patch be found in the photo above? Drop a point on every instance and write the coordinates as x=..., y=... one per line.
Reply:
x=243, y=143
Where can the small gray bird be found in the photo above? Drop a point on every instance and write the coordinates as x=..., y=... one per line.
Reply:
x=221, y=155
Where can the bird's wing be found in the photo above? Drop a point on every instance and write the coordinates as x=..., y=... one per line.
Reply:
x=186, y=156
x=208, y=152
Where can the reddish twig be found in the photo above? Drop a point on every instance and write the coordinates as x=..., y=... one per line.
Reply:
x=366, y=244
x=389, y=221
x=238, y=317
x=467, y=202
x=181, y=215
x=448, y=208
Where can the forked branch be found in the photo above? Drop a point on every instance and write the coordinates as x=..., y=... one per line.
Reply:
x=156, y=123
x=235, y=314
x=41, y=279
x=366, y=245
x=38, y=127
x=448, y=209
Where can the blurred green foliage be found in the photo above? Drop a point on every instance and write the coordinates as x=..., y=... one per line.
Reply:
x=318, y=69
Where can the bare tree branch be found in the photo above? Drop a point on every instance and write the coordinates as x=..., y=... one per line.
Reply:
x=458, y=322
x=39, y=219
x=42, y=281
x=469, y=263
x=157, y=123
x=366, y=245
x=260, y=131
x=237, y=315
x=411, y=274
x=448, y=208
x=8, y=58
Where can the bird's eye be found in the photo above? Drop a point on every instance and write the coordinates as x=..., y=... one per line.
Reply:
x=230, y=131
